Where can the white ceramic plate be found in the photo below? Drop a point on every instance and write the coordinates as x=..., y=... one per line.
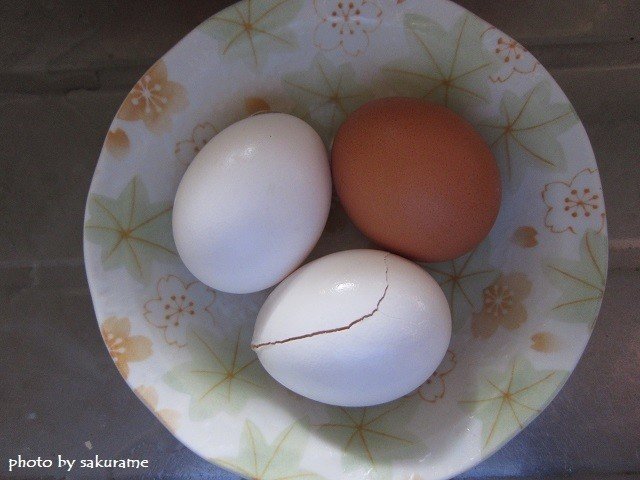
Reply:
x=524, y=303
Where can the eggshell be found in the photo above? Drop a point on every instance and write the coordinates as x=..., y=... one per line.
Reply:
x=253, y=203
x=416, y=178
x=354, y=328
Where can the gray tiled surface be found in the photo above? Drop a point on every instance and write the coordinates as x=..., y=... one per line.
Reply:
x=64, y=68
x=48, y=148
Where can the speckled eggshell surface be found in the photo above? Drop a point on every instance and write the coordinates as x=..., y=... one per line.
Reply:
x=416, y=178
x=354, y=328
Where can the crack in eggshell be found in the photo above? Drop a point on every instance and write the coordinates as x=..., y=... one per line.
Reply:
x=337, y=329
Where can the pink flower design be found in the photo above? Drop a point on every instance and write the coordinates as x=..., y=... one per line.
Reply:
x=187, y=149
x=154, y=99
x=434, y=388
x=123, y=347
x=179, y=302
x=346, y=24
x=575, y=206
x=512, y=58
x=502, y=305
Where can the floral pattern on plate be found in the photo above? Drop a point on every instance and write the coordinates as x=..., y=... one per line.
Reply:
x=279, y=460
x=117, y=143
x=575, y=205
x=526, y=132
x=512, y=57
x=446, y=66
x=325, y=94
x=463, y=281
x=581, y=281
x=154, y=99
x=253, y=29
x=545, y=342
x=132, y=231
x=187, y=149
x=221, y=375
x=505, y=401
x=346, y=24
x=372, y=437
x=434, y=388
x=525, y=237
x=529, y=293
x=177, y=304
x=502, y=305
x=123, y=347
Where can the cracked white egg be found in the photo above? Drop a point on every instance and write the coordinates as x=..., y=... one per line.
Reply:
x=253, y=203
x=354, y=328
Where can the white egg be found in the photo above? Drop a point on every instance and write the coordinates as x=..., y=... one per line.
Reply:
x=354, y=328
x=253, y=203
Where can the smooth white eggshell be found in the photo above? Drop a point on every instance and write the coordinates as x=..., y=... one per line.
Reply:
x=400, y=328
x=253, y=203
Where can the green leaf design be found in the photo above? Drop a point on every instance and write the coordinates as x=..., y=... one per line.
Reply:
x=372, y=438
x=525, y=132
x=447, y=67
x=279, y=460
x=325, y=94
x=463, y=281
x=252, y=29
x=131, y=231
x=506, y=402
x=221, y=375
x=581, y=281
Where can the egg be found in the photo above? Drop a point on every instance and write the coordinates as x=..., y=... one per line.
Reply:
x=354, y=328
x=253, y=203
x=416, y=178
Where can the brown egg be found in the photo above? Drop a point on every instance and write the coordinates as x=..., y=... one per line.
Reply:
x=416, y=178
